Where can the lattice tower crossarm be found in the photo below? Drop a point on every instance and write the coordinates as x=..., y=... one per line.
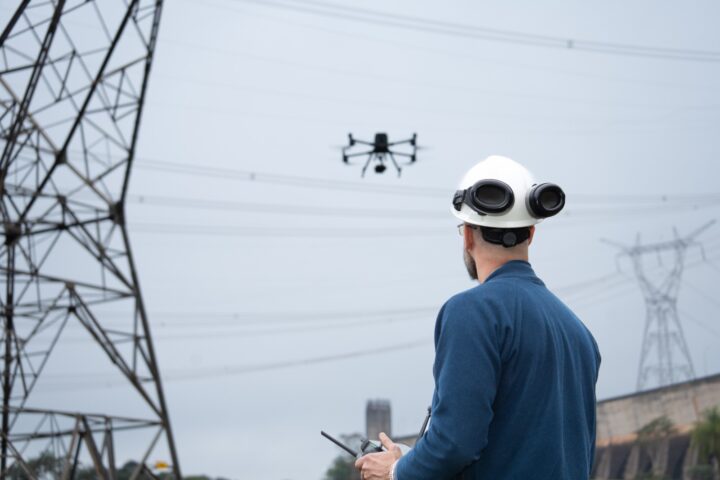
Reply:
x=73, y=80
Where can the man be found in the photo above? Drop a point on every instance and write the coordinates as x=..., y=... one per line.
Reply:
x=515, y=369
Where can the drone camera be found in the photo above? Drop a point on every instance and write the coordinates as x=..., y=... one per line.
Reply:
x=380, y=168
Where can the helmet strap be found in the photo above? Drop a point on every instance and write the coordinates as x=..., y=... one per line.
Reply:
x=507, y=237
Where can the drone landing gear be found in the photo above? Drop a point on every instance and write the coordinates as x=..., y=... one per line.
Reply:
x=380, y=168
x=367, y=164
x=397, y=167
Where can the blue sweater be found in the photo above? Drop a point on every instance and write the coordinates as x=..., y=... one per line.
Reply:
x=514, y=399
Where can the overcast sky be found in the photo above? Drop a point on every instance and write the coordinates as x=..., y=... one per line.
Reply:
x=361, y=266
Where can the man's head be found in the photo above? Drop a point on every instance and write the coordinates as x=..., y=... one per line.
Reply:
x=499, y=203
x=482, y=257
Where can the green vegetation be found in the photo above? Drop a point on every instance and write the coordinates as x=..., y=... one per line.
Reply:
x=48, y=466
x=343, y=466
x=706, y=436
x=648, y=436
x=701, y=472
x=658, y=429
x=706, y=439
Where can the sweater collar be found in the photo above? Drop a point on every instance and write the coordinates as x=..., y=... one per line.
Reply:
x=517, y=269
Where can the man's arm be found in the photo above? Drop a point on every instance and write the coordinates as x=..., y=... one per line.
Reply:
x=467, y=366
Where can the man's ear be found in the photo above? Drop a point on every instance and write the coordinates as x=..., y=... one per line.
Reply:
x=532, y=234
x=469, y=237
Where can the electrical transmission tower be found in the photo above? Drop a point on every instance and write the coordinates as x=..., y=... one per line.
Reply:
x=73, y=77
x=664, y=357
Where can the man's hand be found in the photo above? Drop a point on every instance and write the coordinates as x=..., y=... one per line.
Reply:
x=377, y=466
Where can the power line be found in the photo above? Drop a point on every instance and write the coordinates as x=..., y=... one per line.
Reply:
x=602, y=297
x=242, y=369
x=284, y=209
x=235, y=333
x=712, y=265
x=289, y=180
x=223, y=371
x=226, y=371
x=704, y=325
x=709, y=298
x=648, y=206
x=405, y=107
x=274, y=318
x=608, y=128
x=400, y=107
x=239, y=320
x=426, y=25
x=283, y=232
x=586, y=284
x=324, y=183
x=510, y=63
x=589, y=295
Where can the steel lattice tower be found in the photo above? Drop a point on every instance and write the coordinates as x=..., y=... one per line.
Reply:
x=664, y=356
x=73, y=77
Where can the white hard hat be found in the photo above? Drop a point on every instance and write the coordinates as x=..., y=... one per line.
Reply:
x=500, y=193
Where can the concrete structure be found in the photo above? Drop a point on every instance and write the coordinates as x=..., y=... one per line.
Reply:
x=378, y=418
x=661, y=453
x=683, y=403
x=623, y=454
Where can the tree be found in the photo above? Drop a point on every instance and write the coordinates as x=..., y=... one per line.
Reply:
x=49, y=466
x=650, y=437
x=342, y=468
x=658, y=429
x=706, y=439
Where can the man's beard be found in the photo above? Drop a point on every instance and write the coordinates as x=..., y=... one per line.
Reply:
x=470, y=265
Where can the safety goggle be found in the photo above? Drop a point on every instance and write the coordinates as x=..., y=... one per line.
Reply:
x=494, y=197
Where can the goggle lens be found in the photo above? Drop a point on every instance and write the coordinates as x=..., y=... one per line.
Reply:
x=550, y=199
x=491, y=197
x=546, y=200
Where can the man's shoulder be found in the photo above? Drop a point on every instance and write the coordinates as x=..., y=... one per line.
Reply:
x=485, y=292
x=490, y=297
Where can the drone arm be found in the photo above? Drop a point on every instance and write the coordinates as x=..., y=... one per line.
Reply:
x=349, y=155
x=410, y=140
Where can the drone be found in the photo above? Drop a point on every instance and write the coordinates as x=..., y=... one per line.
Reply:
x=380, y=151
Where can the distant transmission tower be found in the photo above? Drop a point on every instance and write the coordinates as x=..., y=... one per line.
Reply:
x=664, y=357
x=73, y=77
